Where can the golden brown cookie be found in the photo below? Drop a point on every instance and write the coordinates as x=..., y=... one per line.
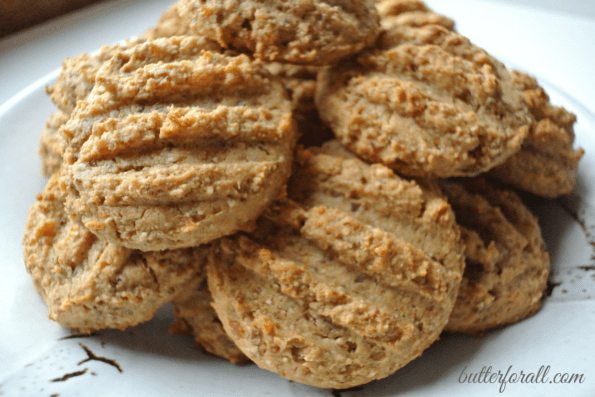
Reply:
x=175, y=147
x=429, y=103
x=411, y=13
x=77, y=77
x=316, y=32
x=75, y=82
x=335, y=292
x=546, y=165
x=51, y=144
x=507, y=264
x=89, y=284
x=195, y=317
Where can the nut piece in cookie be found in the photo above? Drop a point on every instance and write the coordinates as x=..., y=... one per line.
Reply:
x=195, y=317
x=411, y=13
x=177, y=146
x=345, y=287
x=428, y=103
x=507, y=265
x=51, y=144
x=546, y=165
x=315, y=32
x=89, y=284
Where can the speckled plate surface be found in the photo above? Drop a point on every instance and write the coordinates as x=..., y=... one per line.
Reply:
x=37, y=357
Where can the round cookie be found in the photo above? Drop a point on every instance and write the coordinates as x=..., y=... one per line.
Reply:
x=89, y=284
x=410, y=13
x=507, y=264
x=335, y=292
x=547, y=164
x=176, y=146
x=51, y=144
x=313, y=32
x=195, y=317
x=428, y=103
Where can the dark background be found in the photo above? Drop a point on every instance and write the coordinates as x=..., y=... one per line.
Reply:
x=20, y=14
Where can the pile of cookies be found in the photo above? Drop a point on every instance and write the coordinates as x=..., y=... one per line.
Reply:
x=312, y=184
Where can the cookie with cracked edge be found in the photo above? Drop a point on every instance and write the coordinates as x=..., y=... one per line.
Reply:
x=410, y=13
x=507, y=264
x=345, y=287
x=51, y=144
x=547, y=164
x=196, y=318
x=427, y=103
x=89, y=284
x=316, y=32
x=176, y=147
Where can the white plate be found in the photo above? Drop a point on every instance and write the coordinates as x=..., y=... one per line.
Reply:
x=557, y=49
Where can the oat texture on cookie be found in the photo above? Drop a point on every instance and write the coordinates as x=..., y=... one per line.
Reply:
x=426, y=103
x=51, y=144
x=77, y=77
x=547, y=164
x=74, y=83
x=313, y=32
x=89, y=284
x=507, y=264
x=176, y=145
x=340, y=288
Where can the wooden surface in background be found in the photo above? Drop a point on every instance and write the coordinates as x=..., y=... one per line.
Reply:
x=20, y=14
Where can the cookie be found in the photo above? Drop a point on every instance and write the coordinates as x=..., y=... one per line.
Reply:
x=315, y=32
x=89, y=284
x=507, y=264
x=77, y=77
x=74, y=83
x=176, y=147
x=547, y=164
x=51, y=144
x=410, y=13
x=347, y=286
x=195, y=317
x=427, y=104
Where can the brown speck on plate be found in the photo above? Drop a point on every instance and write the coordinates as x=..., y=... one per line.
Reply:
x=70, y=375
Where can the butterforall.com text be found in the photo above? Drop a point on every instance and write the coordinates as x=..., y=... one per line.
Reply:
x=542, y=376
